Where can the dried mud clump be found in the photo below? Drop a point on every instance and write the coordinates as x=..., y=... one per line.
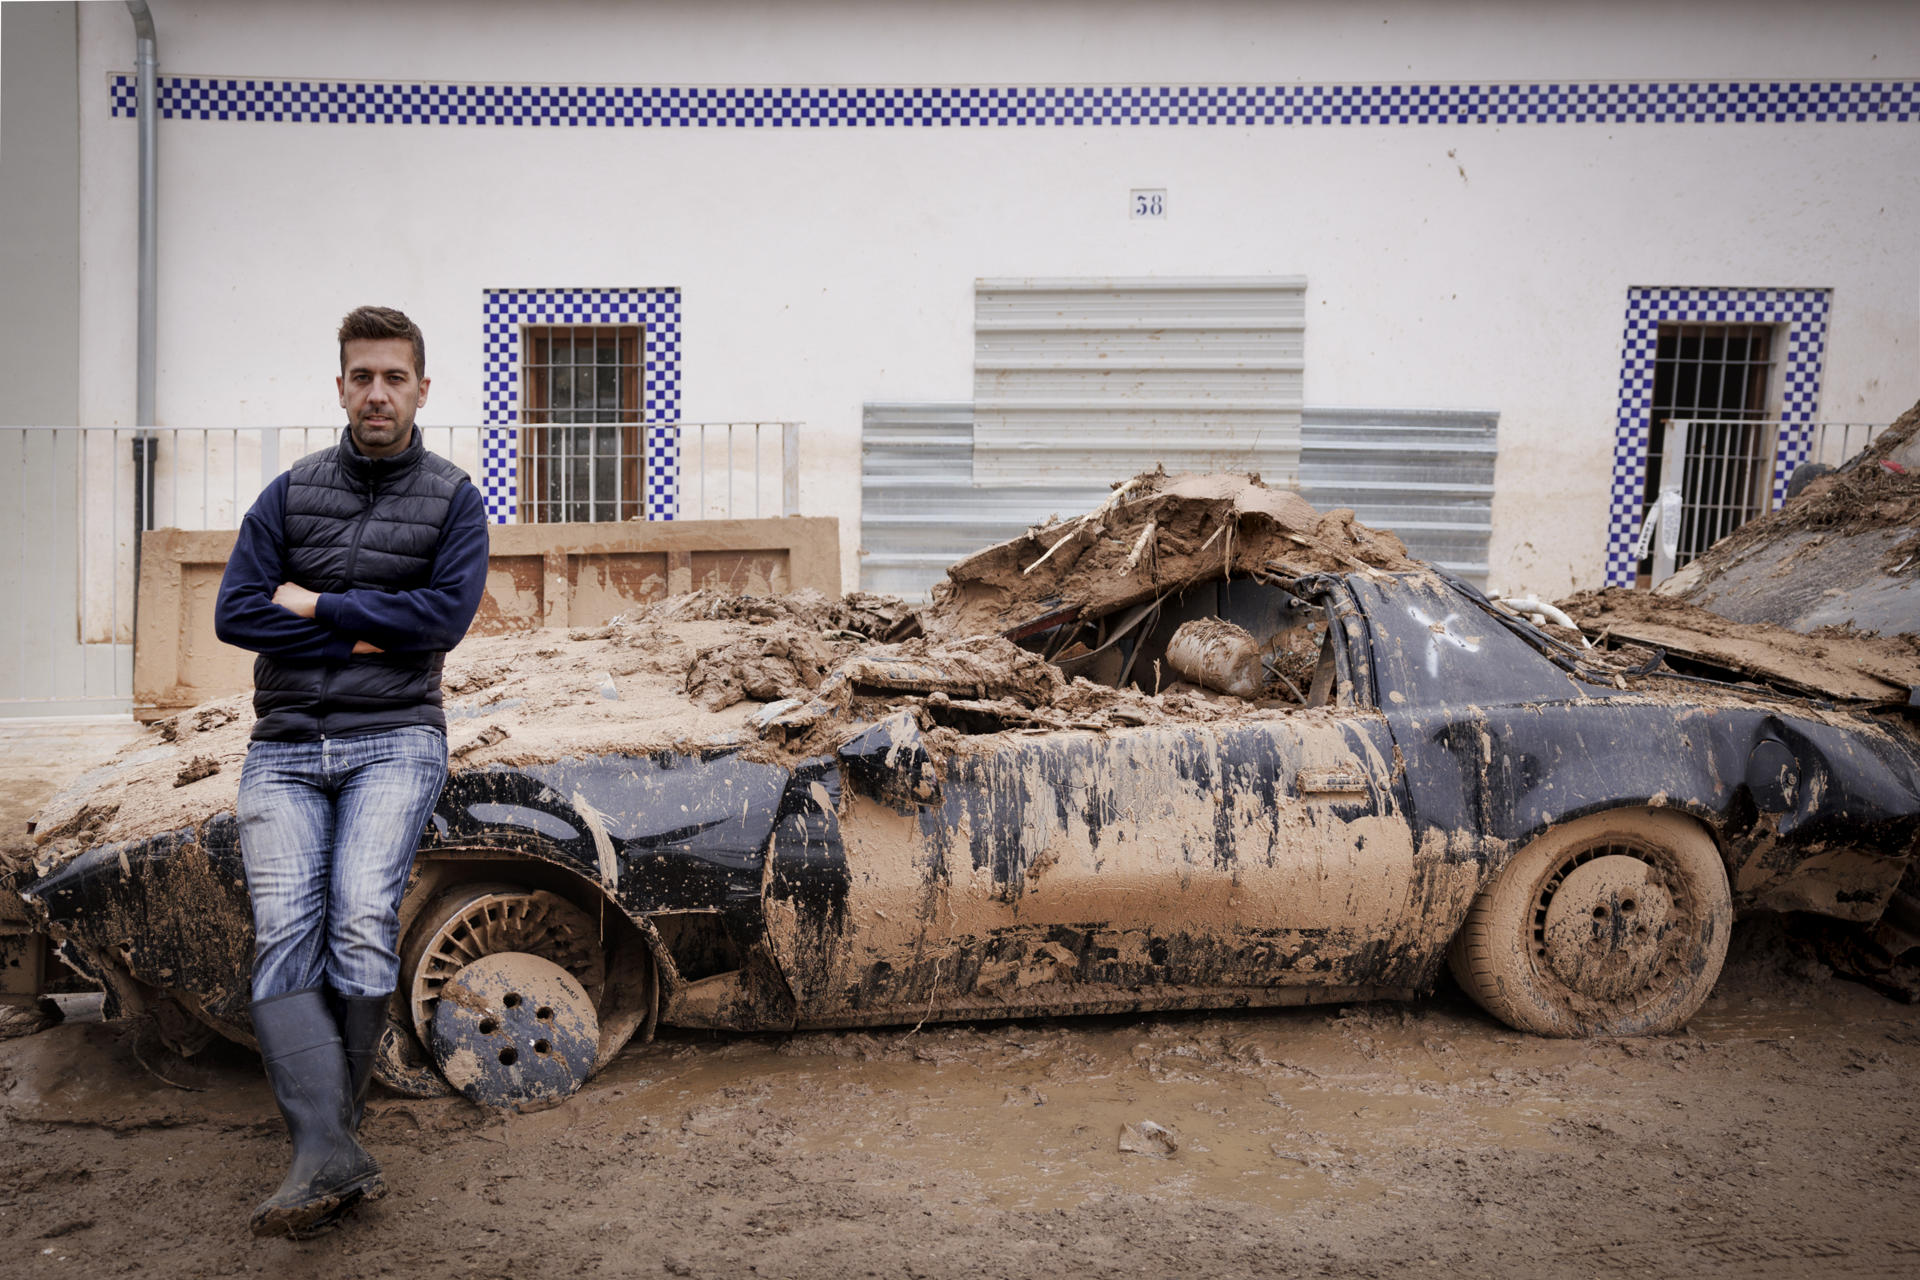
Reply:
x=215, y=715
x=858, y=613
x=195, y=769
x=975, y=669
x=1838, y=662
x=491, y=735
x=1156, y=534
x=782, y=662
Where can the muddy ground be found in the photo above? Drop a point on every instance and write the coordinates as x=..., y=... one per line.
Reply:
x=1775, y=1138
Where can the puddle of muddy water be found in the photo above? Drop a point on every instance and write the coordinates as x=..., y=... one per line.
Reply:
x=119, y=1075
x=1764, y=1020
x=1030, y=1117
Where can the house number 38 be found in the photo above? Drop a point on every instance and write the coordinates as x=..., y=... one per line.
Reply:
x=1149, y=204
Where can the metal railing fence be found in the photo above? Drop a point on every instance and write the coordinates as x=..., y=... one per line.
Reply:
x=69, y=568
x=720, y=448
x=1717, y=474
x=1836, y=442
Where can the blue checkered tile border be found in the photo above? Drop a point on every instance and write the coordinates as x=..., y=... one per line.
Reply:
x=1802, y=311
x=1610, y=102
x=505, y=311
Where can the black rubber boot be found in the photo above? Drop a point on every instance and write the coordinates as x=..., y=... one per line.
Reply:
x=363, y=1020
x=307, y=1068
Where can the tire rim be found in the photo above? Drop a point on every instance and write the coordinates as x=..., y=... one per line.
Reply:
x=478, y=921
x=1611, y=922
x=514, y=1030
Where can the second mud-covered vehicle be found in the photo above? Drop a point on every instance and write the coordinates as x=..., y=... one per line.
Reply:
x=1033, y=809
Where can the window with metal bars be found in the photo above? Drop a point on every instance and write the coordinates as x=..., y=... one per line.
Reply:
x=1718, y=378
x=581, y=446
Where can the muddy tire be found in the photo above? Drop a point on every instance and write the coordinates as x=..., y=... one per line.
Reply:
x=1614, y=925
x=465, y=921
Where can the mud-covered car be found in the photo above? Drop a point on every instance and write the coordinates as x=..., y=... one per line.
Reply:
x=1039, y=807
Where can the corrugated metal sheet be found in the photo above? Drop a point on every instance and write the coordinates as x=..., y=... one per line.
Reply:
x=919, y=508
x=1077, y=380
x=1426, y=474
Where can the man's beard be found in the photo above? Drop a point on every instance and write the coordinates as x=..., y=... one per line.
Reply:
x=380, y=435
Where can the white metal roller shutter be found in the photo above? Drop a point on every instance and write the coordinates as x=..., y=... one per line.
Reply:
x=1081, y=381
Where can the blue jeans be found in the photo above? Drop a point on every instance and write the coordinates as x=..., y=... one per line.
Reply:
x=328, y=831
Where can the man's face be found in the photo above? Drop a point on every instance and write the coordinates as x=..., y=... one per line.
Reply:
x=380, y=392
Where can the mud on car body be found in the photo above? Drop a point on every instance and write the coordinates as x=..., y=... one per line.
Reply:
x=1573, y=833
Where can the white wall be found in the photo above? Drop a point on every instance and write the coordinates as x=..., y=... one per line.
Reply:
x=39, y=195
x=1476, y=266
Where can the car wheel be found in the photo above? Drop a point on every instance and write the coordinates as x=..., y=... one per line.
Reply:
x=469, y=922
x=1616, y=924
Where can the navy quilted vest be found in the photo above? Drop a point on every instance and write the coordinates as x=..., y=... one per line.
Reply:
x=354, y=522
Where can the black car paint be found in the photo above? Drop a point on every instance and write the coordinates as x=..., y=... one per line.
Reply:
x=1507, y=745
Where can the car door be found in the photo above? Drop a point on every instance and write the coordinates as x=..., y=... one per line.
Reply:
x=1150, y=867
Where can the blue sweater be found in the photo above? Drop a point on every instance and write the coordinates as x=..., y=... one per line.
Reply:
x=429, y=620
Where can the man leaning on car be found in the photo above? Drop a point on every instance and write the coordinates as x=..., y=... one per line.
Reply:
x=353, y=574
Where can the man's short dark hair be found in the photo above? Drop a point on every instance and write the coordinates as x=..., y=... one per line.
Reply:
x=377, y=323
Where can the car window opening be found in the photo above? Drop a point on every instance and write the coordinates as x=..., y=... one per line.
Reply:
x=1241, y=637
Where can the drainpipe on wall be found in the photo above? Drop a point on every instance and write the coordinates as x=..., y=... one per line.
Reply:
x=145, y=446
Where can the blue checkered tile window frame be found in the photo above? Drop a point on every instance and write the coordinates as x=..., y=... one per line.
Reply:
x=506, y=311
x=1804, y=314
x=789, y=107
